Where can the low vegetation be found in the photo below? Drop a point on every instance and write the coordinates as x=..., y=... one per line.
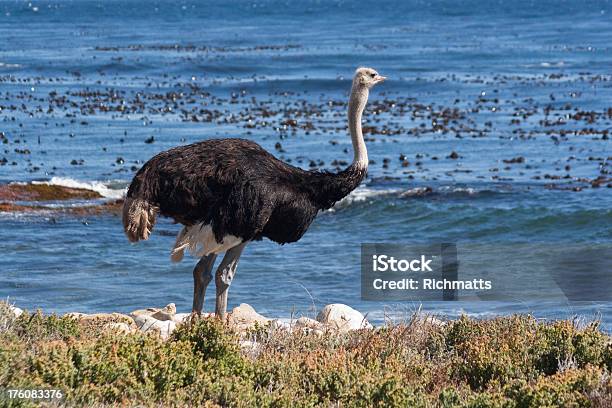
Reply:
x=512, y=361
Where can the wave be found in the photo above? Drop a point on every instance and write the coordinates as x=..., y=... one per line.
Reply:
x=366, y=194
x=116, y=189
x=8, y=65
x=362, y=194
x=108, y=189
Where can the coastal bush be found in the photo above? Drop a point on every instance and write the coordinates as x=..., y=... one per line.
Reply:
x=570, y=388
x=506, y=349
x=37, y=326
x=514, y=361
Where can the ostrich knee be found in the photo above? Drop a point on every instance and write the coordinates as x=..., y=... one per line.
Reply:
x=223, y=280
x=224, y=277
x=202, y=275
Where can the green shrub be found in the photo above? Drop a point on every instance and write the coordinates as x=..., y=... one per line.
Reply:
x=591, y=346
x=509, y=362
x=38, y=327
x=568, y=389
x=491, y=352
x=505, y=349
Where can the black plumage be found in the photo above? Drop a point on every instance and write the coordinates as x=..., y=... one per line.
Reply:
x=239, y=189
x=228, y=192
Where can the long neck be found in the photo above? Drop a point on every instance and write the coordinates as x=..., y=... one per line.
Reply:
x=357, y=103
x=328, y=188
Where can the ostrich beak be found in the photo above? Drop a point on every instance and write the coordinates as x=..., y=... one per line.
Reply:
x=380, y=78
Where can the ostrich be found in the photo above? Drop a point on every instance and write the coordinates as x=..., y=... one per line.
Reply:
x=229, y=192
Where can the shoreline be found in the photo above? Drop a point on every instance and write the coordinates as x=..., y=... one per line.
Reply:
x=33, y=198
x=336, y=318
x=331, y=318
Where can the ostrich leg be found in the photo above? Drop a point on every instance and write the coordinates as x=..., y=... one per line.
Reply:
x=202, y=275
x=224, y=276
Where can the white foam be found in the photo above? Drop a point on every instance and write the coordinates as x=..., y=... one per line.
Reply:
x=460, y=190
x=7, y=65
x=103, y=188
x=551, y=64
x=362, y=194
x=25, y=215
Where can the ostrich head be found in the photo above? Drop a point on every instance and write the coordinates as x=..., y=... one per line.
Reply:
x=367, y=77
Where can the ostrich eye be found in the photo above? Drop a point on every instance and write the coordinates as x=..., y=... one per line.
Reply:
x=373, y=74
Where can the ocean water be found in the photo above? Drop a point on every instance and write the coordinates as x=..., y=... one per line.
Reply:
x=501, y=110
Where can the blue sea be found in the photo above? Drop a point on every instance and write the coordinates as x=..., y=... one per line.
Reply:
x=492, y=130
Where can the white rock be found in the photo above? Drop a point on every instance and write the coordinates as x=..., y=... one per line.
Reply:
x=281, y=324
x=181, y=317
x=144, y=312
x=166, y=313
x=167, y=329
x=143, y=322
x=16, y=311
x=244, y=316
x=149, y=324
x=342, y=318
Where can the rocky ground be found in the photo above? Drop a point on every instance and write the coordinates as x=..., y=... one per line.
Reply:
x=336, y=318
